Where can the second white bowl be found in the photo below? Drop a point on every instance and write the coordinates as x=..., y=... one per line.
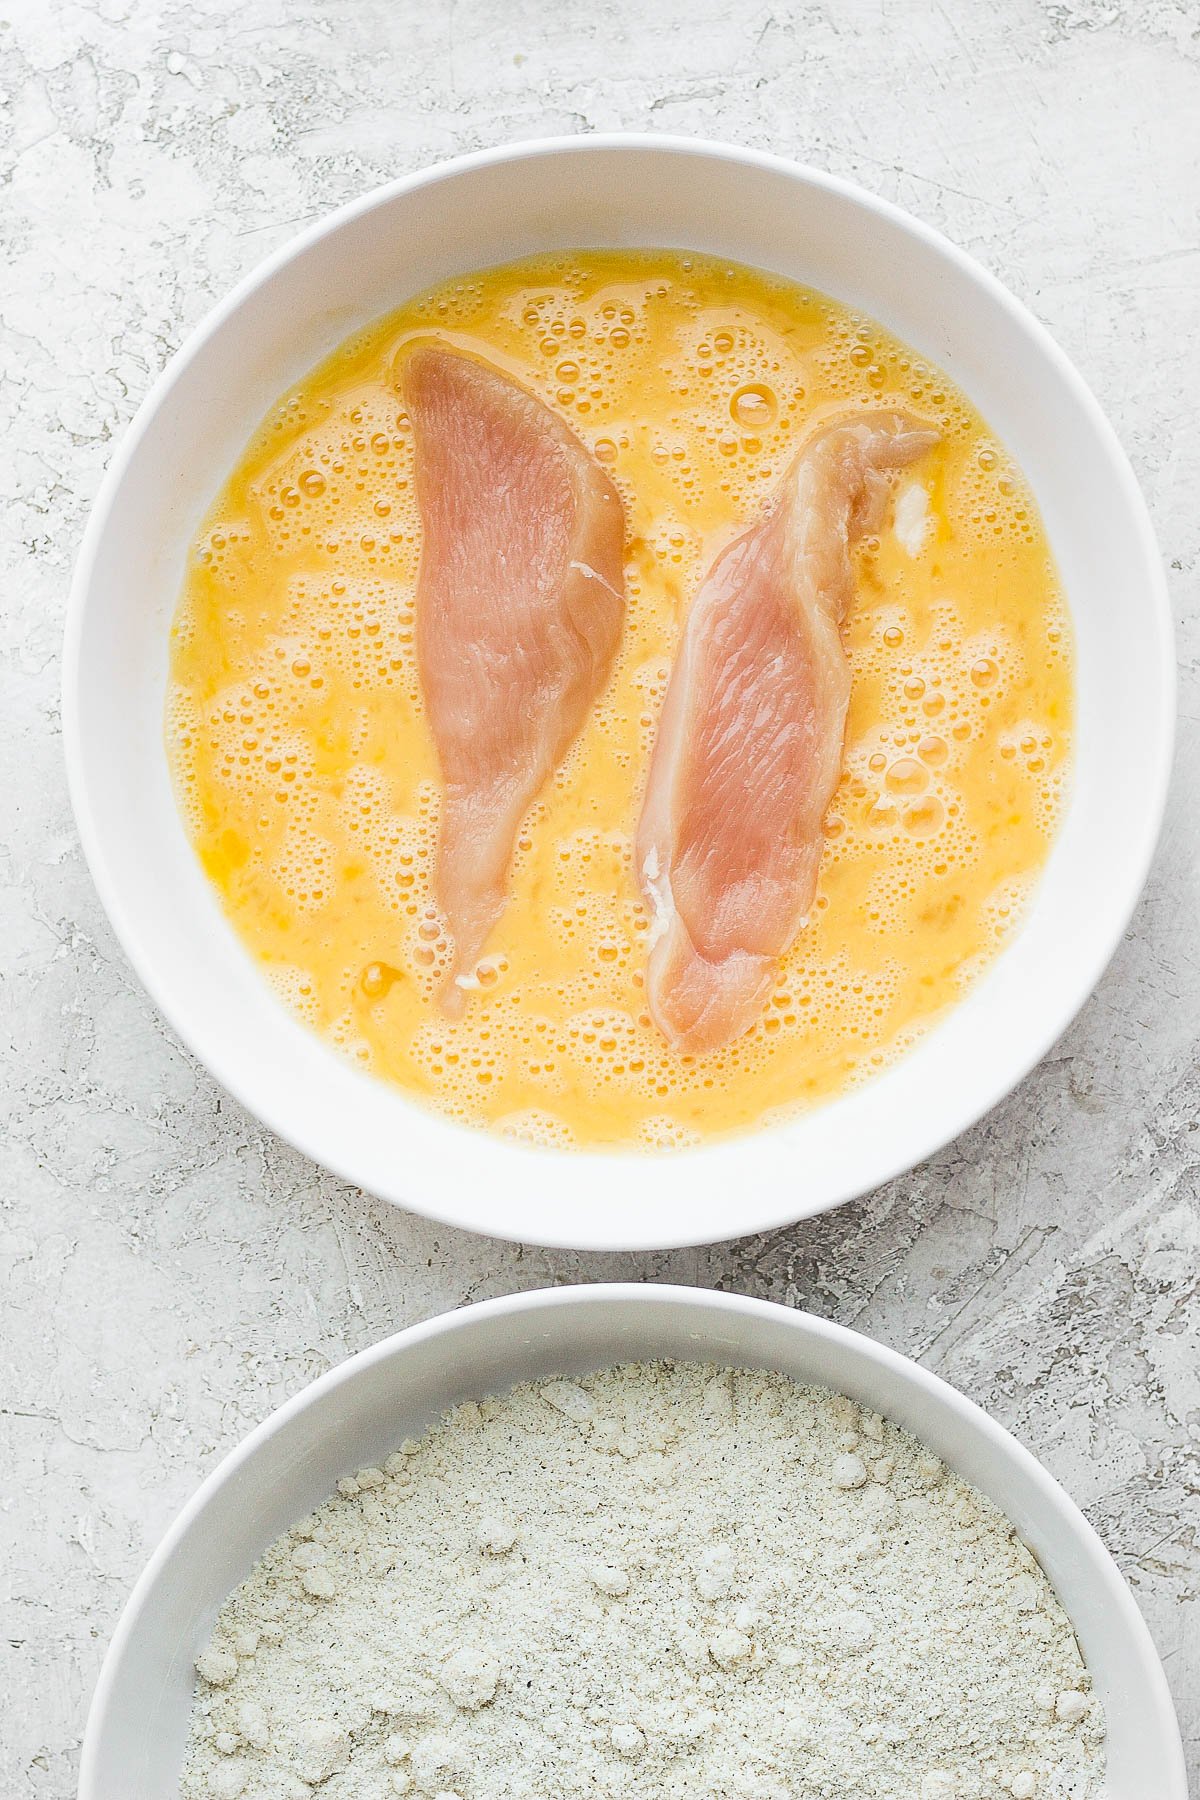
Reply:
x=364, y=261
x=355, y=1415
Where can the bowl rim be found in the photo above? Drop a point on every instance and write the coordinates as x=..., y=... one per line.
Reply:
x=621, y=1231
x=648, y=1295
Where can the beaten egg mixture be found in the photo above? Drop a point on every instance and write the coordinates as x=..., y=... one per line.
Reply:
x=307, y=780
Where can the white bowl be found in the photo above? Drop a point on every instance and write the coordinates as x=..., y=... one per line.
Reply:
x=368, y=258
x=353, y=1416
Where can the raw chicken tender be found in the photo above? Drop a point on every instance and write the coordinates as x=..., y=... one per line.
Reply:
x=520, y=604
x=749, y=746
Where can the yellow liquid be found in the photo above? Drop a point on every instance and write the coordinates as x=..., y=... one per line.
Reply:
x=307, y=778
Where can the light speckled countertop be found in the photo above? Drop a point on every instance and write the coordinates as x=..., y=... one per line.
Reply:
x=173, y=1272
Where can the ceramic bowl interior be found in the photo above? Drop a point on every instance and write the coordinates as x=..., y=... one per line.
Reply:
x=364, y=261
x=358, y=1413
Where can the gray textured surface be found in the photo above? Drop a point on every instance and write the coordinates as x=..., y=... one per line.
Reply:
x=172, y=1271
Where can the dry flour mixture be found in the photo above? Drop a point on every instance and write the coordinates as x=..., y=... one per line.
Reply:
x=660, y=1580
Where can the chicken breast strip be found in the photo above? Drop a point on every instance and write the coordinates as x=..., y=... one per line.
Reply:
x=519, y=611
x=750, y=742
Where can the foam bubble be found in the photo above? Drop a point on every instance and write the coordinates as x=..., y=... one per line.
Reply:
x=298, y=989
x=534, y=1125
x=303, y=869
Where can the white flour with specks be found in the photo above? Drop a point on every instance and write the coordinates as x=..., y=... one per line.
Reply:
x=660, y=1580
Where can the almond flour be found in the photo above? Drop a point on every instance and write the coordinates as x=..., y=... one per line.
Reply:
x=660, y=1580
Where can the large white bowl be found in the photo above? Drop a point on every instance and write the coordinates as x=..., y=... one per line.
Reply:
x=353, y=1416
x=486, y=209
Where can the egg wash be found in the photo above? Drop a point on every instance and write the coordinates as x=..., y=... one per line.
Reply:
x=304, y=770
